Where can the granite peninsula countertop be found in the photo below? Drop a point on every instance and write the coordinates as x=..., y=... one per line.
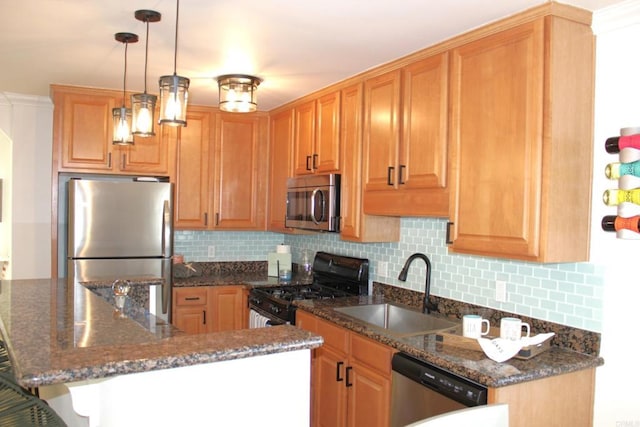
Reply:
x=57, y=333
x=467, y=363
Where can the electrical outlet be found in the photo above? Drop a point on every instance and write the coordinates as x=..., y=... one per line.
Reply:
x=501, y=291
x=211, y=253
x=383, y=268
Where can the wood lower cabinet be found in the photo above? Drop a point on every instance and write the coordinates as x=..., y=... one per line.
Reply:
x=205, y=309
x=351, y=377
x=521, y=141
x=190, y=309
x=563, y=400
x=83, y=136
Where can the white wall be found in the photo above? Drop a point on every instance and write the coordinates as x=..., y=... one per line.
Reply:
x=617, y=31
x=27, y=121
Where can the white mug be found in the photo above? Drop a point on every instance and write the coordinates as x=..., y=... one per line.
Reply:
x=472, y=326
x=511, y=328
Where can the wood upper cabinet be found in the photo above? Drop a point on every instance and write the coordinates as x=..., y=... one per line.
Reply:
x=317, y=135
x=405, y=140
x=521, y=142
x=355, y=225
x=220, y=168
x=351, y=377
x=193, y=177
x=281, y=147
x=240, y=158
x=83, y=136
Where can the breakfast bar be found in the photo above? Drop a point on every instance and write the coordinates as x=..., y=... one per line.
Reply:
x=127, y=367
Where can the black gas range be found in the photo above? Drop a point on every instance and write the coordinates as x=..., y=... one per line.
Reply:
x=334, y=276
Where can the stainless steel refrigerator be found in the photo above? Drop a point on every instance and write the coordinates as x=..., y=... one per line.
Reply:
x=122, y=230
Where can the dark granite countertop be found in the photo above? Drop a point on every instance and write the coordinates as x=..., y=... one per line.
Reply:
x=58, y=333
x=474, y=365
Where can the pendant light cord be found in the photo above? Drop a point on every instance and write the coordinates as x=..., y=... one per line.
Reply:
x=175, y=51
x=124, y=79
x=146, y=55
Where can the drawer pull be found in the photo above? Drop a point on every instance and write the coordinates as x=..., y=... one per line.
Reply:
x=192, y=298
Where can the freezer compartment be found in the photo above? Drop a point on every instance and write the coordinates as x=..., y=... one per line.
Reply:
x=109, y=219
x=136, y=269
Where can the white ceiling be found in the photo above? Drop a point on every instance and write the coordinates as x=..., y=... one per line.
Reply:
x=296, y=46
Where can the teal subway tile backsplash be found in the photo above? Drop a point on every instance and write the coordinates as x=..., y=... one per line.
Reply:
x=568, y=293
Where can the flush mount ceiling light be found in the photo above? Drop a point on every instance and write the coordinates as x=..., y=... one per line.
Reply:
x=237, y=93
x=122, y=115
x=174, y=91
x=143, y=104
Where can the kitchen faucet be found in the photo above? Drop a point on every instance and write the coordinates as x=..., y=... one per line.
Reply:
x=427, y=307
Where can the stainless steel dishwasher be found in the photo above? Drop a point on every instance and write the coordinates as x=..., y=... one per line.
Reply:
x=420, y=390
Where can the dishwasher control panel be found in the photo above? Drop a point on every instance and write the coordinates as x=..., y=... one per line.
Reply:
x=460, y=389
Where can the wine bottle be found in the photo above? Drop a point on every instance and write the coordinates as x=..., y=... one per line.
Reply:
x=616, y=143
x=617, y=169
x=614, y=197
x=617, y=223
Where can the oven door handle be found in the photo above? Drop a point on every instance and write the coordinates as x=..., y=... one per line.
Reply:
x=338, y=376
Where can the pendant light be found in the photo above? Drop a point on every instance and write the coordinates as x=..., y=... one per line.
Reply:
x=174, y=91
x=237, y=93
x=144, y=104
x=122, y=115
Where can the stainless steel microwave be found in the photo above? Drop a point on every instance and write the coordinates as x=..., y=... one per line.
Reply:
x=313, y=202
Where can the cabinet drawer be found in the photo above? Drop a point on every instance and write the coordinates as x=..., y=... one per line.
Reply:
x=334, y=336
x=372, y=354
x=191, y=296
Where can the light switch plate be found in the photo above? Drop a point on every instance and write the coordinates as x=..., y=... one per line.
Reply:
x=383, y=268
x=211, y=251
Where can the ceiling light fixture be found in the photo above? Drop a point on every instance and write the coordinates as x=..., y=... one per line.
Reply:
x=143, y=104
x=174, y=91
x=237, y=93
x=122, y=115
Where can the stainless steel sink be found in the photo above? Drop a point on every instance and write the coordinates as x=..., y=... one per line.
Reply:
x=396, y=319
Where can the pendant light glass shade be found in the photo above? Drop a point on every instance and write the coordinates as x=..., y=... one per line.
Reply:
x=174, y=94
x=237, y=93
x=174, y=91
x=122, y=115
x=143, y=105
x=122, y=126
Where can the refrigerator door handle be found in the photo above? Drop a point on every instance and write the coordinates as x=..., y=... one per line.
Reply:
x=166, y=230
x=167, y=273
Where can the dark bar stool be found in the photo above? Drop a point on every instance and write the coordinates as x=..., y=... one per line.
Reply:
x=18, y=406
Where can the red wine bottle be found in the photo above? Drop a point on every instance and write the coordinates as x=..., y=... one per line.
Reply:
x=617, y=223
x=616, y=143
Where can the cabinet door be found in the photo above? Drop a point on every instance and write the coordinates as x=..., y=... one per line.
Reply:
x=226, y=308
x=326, y=155
x=381, y=131
x=241, y=164
x=368, y=397
x=151, y=155
x=496, y=142
x=83, y=129
x=192, y=176
x=423, y=151
x=280, y=168
x=304, y=115
x=329, y=390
